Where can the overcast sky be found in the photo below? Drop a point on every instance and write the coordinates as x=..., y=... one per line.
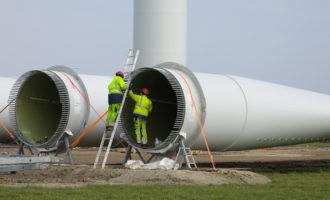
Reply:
x=281, y=41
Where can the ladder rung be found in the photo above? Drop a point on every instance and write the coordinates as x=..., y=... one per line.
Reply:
x=129, y=63
x=187, y=155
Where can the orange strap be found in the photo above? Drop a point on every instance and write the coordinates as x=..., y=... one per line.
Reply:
x=10, y=134
x=83, y=96
x=72, y=83
x=97, y=121
x=200, y=123
x=7, y=105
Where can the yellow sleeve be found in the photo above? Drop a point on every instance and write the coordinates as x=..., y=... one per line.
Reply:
x=122, y=84
x=133, y=96
x=150, y=106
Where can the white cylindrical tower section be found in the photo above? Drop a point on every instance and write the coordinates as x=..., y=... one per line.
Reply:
x=56, y=101
x=160, y=31
x=171, y=87
x=6, y=84
x=244, y=113
x=236, y=113
x=226, y=113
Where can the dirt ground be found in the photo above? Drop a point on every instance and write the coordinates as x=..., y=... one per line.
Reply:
x=232, y=167
x=61, y=176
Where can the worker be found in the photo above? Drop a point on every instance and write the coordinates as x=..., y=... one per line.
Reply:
x=143, y=106
x=115, y=97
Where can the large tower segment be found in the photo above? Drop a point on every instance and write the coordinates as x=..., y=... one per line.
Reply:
x=6, y=84
x=160, y=31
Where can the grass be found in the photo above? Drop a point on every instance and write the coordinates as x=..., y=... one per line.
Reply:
x=314, y=144
x=290, y=180
x=312, y=182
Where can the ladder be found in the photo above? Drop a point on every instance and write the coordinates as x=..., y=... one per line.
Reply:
x=187, y=155
x=129, y=64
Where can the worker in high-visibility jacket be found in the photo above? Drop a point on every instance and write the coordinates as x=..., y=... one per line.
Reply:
x=143, y=106
x=115, y=97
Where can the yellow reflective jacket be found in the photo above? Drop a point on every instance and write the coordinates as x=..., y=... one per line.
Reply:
x=142, y=104
x=117, y=85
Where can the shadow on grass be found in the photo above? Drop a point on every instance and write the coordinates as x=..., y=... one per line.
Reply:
x=289, y=166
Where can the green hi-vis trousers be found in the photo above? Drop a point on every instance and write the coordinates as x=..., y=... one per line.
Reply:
x=112, y=114
x=141, y=124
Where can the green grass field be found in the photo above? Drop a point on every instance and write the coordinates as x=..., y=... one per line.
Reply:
x=288, y=183
x=296, y=180
x=314, y=144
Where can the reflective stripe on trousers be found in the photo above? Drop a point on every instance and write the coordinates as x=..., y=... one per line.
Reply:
x=112, y=113
x=141, y=124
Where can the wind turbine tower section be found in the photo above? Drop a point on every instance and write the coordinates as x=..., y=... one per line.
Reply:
x=160, y=31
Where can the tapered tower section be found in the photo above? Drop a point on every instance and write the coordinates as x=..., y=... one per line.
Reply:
x=160, y=31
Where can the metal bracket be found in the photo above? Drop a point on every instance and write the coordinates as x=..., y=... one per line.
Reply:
x=65, y=146
x=21, y=149
x=129, y=156
x=12, y=163
x=68, y=152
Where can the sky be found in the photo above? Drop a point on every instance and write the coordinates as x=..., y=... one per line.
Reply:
x=279, y=41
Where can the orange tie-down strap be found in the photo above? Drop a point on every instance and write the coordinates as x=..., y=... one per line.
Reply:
x=7, y=105
x=84, y=133
x=10, y=134
x=74, y=85
x=199, y=120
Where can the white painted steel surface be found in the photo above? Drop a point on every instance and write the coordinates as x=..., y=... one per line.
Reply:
x=97, y=87
x=6, y=85
x=87, y=95
x=160, y=31
x=191, y=127
x=82, y=114
x=245, y=113
x=238, y=113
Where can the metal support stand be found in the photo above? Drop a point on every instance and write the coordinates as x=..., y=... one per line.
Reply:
x=21, y=149
x=151, y=157
x=128, y=156
x=65, y=142
x=68, y=152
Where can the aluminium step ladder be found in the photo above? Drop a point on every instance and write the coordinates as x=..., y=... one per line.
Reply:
x=186, y=155
x=129, y=64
